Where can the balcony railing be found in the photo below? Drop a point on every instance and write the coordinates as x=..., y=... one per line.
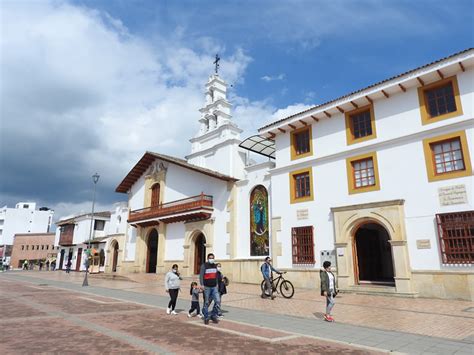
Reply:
x=183, y=206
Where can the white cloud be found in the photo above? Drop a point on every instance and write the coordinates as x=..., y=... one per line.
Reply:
x=269, y=78
x=81, y=94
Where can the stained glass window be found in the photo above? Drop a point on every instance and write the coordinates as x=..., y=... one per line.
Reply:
x=259, y=234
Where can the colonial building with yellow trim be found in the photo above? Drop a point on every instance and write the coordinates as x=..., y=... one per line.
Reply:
x=378, y=181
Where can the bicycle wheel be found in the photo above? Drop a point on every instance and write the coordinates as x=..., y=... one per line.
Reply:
x=286, y=289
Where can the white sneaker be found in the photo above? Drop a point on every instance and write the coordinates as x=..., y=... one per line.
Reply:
x=173, y=313
x=168, y=310
x=189, y=315
x=200, y=315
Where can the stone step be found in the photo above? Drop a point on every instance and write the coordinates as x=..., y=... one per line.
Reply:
x=110, y=277
x=379, y=290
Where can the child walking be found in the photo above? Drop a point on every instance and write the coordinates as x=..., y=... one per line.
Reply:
x=221, y=286
x=194, y=292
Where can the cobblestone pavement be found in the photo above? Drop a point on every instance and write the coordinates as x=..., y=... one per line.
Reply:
x=390, y=323
x=40, y=318
x=451, y=319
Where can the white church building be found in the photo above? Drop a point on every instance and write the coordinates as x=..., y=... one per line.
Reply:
x=378, y=181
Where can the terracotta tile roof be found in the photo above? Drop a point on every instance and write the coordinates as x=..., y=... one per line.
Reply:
x=149, y=157
x=71, y=220
x=328, y=103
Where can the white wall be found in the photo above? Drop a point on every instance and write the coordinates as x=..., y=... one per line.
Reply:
x=256, y=175
x=402, y=173
x=174, y=241
x=20, y=220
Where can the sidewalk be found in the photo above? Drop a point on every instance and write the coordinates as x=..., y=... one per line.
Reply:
x=450, y=319
x=408, y=325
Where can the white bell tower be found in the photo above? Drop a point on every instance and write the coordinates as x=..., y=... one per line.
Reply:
x=216, y=145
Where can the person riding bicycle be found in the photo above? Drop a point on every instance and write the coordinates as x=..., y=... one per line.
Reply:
x=267, y=270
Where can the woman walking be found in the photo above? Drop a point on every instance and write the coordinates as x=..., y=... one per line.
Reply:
x=172, y=284
x=328, y=289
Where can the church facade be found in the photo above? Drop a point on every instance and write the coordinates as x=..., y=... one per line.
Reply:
x=378, y=181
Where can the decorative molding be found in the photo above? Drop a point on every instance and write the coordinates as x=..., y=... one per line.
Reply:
x=368, y=205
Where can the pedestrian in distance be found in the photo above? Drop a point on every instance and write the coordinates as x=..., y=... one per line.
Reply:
x=221, y=286
x=25, y=265
x=172, y=285
x=68, y=266
x=195, y=307
x=267, y=269
x=328, y=289
x=208, y=280
x=40, y=265
x=47, y=265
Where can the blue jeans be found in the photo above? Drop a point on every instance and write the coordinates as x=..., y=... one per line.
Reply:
x=211, y=294
x=329, y=302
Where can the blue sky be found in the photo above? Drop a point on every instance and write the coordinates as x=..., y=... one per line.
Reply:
x=90, y=85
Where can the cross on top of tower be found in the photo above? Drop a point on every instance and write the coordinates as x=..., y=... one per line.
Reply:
x=216, y=63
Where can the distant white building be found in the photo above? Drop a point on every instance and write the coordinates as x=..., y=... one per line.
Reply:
x=74, y=234
x=378, y=181
x=22, y=219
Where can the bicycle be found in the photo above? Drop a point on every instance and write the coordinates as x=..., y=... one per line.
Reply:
x=286, y=287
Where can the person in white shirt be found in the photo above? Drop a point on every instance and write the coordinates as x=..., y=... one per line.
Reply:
x=172, y=285
x=328, y=289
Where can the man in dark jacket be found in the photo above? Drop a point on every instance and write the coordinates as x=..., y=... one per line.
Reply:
x=328, y=289
x=208, y=280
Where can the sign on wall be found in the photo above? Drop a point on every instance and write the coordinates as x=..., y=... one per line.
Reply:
x=302, y=214
x=423, y=244
x=452, y=195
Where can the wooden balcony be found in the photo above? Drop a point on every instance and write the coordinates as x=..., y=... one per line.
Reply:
x=66, y=235
x=187, y=209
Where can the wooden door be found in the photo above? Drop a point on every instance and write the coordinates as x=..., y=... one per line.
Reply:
x=199, y=253
x=79, y=258
x=115, y=258
x=61, y=260
x=155, y=195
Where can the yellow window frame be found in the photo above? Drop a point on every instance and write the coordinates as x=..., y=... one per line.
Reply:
x=349, y=126
x=295, y=156
x=430, y=164
x=350, y=174
x=425, y=116
x=292, y=175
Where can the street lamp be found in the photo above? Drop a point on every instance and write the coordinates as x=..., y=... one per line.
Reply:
x=95, y=179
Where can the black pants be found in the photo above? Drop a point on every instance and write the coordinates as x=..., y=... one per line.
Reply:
x=174, y=297
x=195, y=307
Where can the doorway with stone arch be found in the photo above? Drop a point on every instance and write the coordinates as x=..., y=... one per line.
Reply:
x=373, y=261
x=199, y=252
x=115, y=251
x=152, y=251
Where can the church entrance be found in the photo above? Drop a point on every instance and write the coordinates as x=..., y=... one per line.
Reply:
x=115, y=257
x=374, y=263
x=152, y=252
x=199, y=252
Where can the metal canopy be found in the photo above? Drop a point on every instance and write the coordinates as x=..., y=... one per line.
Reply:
x=260, y=145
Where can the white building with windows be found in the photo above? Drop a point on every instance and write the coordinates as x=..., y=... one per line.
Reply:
x=22, y=219
x=379, y=181
x=74, y=235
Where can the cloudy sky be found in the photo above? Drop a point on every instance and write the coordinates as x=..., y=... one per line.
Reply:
x=87, y=86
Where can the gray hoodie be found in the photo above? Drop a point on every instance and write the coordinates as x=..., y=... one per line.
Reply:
x=172, y=281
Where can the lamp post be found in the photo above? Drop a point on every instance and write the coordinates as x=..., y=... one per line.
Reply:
x=95, y=179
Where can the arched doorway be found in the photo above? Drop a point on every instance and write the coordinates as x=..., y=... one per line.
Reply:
x=374, y=263
x=115, y=257
x=152, y=252
x=199, y=252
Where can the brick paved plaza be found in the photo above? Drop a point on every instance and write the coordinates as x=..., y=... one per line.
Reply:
x=49, y=312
